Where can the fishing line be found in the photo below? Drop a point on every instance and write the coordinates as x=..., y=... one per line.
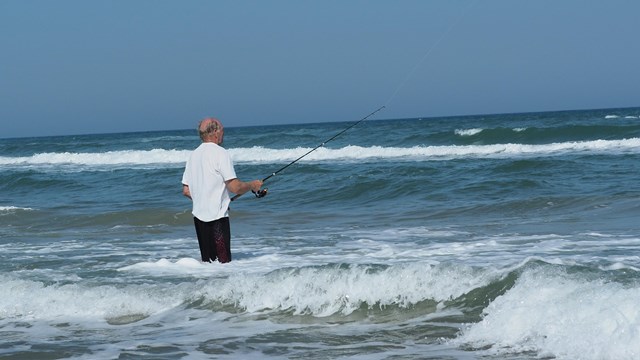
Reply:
x=263, y=192
x=429, y=51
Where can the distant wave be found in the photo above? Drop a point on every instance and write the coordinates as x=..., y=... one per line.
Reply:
x=467, y=132
x=124, y=157
x=261, y=155
x=4, y=209
x=476, y=131
x=619, y=116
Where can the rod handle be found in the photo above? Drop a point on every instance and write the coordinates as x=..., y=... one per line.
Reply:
x=259, y=194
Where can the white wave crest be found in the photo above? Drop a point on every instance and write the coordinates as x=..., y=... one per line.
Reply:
x=421, y=153
x=125, y=157
x=326, y=291
x=561, y=316
x=13, y=208
x=318, y=291
x=468, y=132
x=29, y=299
x=261, y=155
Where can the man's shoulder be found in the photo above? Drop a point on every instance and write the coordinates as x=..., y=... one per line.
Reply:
x=207, y=149
x=208, y=146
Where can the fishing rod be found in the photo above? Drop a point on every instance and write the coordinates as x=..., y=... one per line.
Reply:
x=263, y=192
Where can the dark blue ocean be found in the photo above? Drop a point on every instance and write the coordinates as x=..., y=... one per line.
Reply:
x=513, y=236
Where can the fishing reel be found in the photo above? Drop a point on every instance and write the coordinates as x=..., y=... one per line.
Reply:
x=260, y=193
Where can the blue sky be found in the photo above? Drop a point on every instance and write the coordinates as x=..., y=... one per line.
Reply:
x=77, y=67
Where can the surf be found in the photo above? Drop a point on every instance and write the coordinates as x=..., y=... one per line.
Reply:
x=351, y=153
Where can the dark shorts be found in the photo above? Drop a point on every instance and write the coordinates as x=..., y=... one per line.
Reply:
x=214, y=239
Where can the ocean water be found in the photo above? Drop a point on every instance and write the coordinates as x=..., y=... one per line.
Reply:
x=510, y=236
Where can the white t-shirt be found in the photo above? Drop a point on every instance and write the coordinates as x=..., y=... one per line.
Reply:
x=207, y=169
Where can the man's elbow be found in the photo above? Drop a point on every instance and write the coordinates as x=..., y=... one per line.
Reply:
x=186, y=192
x=234, y=185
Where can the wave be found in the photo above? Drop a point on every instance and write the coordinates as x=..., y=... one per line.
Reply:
x=468, y=132
x=536, y=308
x=327, y=290
x=13, y=208
x=36, y=300
x=476, y=131
x=541, y=307
x=10, y=210
x=610, y=117
x=552, y=311
x=260, y=155
x=318, y=291
x=540, y=134
x=125, y=157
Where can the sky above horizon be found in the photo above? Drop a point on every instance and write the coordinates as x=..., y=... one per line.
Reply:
x=79, y=67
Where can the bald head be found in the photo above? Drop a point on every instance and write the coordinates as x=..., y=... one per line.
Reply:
x=211, y=130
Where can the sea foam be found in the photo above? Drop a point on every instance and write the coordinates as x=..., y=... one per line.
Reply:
x=13, y=208
x=340, y=289
x=261, y=155
x=468, y=132
x=560, y=316
x=27, y=299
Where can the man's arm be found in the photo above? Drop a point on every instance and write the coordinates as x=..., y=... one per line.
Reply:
x=239, y=187
x=185, y=191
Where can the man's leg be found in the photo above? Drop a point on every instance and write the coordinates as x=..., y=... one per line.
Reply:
x=205, y=234
x=222, y=239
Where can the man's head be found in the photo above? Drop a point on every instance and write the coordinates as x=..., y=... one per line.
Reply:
x=211, y=130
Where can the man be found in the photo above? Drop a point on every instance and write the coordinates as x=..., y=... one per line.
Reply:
x=208, y=177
